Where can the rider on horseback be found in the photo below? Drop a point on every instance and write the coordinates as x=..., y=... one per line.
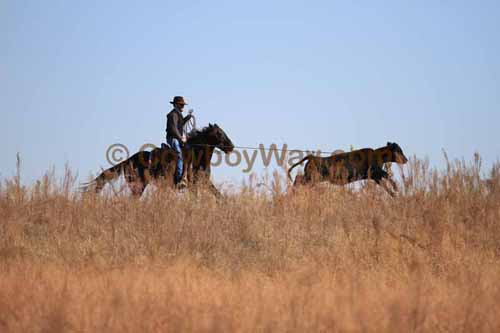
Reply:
x=176, y=136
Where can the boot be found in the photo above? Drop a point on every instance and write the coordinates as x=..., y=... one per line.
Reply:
x=182, y=183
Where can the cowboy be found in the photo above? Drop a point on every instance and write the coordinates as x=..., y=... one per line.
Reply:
x=176, y=137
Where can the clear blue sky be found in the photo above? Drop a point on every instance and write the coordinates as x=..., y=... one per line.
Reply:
x=77, y=76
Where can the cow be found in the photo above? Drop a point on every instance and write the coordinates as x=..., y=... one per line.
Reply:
x=344, y=168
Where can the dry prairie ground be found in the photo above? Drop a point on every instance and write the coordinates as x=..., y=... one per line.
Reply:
x=323, y=259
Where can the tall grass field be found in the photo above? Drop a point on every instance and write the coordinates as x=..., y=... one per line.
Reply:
x=266, y=259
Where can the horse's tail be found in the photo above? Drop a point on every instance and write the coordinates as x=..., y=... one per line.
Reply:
x=308, y=157
x=107, y=175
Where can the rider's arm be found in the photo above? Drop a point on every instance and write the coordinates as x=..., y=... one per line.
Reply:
x=186, y=119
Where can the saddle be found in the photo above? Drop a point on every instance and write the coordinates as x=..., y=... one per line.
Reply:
x=167, y=146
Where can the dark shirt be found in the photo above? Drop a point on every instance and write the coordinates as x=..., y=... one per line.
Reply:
x=175, y=124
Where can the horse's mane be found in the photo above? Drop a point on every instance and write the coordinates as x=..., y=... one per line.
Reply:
x=195, y=133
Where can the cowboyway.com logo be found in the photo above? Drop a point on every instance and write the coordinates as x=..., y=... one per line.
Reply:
x=239, y=157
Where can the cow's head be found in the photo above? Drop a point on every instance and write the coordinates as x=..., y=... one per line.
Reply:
x=397, y=154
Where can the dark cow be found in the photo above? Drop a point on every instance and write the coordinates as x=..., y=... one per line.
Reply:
x=341, y=169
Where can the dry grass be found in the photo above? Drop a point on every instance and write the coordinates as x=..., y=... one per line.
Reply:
x=324, y=259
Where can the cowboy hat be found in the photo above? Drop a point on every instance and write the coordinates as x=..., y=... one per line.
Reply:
x=179, y=100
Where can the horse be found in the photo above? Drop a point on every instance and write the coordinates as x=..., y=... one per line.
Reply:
x=341, y=169
x=159, y=163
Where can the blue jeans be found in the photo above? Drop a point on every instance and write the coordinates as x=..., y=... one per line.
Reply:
x=174, y=143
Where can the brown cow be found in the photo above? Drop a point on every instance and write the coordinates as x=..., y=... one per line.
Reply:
x=341, y=169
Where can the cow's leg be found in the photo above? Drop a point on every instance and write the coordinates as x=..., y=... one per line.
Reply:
x=312, y=173
x=381, y=177
x=393, y=184
x=383, y=182
x=386, y=178
x=299, y=180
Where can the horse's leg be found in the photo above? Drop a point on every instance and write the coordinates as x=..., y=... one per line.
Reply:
x=103, y=179
x=166, y=168
x=187, y=162
x=190, y=175
x=129, y=178
x=133, y=179
x=140, y=183
x=137, y=188
x=215, y=191
x=167, y=172
x=206, y=182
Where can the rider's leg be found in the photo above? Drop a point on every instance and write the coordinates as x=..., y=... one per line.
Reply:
x=174, y=143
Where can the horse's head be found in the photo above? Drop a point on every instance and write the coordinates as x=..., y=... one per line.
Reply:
x=218, y=138
x=397, y=154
